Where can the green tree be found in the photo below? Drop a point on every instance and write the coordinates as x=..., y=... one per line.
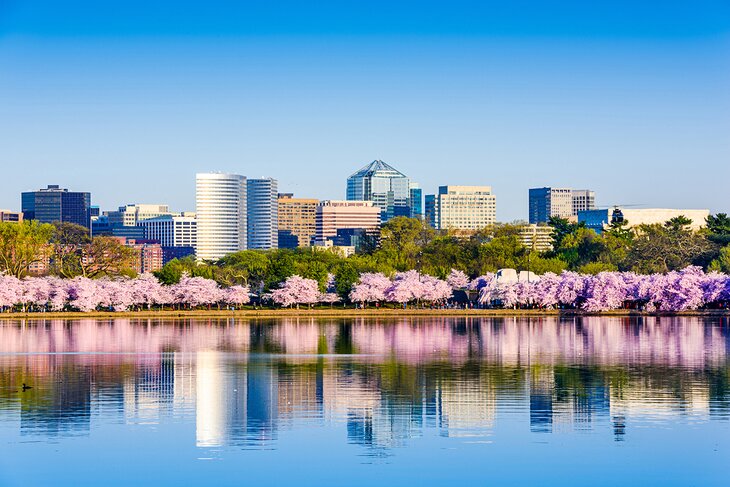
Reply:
x=22, y=245
x=718, y=227
x=402, y=240
x=107, y=256
x=668, y=247
x=68, y=242
x=722, y=262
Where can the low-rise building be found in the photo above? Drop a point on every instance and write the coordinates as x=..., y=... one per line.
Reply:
x=598, y=220
x=10, y=216
x=537, y=237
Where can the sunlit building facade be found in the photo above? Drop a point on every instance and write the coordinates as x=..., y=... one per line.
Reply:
x=220, y=201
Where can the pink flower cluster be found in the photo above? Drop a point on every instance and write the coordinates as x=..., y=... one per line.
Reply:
x=84, y=294
x=405, y=287
x=688, y=289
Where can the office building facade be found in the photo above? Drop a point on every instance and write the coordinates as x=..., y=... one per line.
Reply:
x=263, y=213
x=547, y=202
x=220, y=201
x=385, y=186
x=172, y=231
x=297, y=220
x=334, y=215
x=131, y=215
x=466, y=208
x=416, y=201
x=56, y=204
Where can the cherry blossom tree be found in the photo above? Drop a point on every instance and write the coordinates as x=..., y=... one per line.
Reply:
x=237, y=295
x=457, y=279
x=296, y=290
x=370, y=288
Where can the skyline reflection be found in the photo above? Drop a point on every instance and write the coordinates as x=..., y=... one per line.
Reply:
x=241, y=383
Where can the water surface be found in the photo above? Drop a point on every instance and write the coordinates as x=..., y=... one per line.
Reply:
x=441, y=401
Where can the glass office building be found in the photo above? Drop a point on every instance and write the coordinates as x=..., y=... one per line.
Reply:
x=56, y=204
x=385, y=186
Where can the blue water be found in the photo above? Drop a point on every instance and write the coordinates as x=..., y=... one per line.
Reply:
x=442, y=401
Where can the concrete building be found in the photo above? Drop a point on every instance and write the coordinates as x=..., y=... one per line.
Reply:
x=335, y=215
x=297, y=220
x=385, y=186
x=559, y=202
x=220, y=201
x=172, y=230
x=262, y=213
x=598, y=220
x=149, y=255
x=537, y=237
x=131, y=215
x=56, y=204
x=461, y=208
x=9, y=216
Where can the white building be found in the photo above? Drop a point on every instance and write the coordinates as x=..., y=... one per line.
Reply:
x=601, y=219
x=220, y=201
x=263, y=213
x=131, y=215
x=172, y=231
x=461, y=208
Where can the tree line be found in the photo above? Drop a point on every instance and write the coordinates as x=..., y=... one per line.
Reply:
x=404, y=244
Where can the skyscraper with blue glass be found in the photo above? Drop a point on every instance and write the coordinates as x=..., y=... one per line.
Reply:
x=388, y=189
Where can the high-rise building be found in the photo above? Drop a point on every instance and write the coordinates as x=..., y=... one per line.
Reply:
x=55, y=204
x=536, y=237
x=297, y=220
x=384, y=185
x=461, y=208
x=416, y=201
x=131, y=215
x=336, y=215
x=220, y=201
x=583, y=200
x=263, y=213
x=171, y=230
x=559, y=202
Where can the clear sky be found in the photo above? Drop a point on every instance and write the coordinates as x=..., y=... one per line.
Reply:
x=129, y=101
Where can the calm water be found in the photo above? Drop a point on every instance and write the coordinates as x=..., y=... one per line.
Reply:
x=513, y=401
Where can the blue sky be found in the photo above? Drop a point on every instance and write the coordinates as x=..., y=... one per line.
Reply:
x=129, y=100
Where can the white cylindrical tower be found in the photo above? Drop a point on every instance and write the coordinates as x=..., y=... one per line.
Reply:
x=220, y=206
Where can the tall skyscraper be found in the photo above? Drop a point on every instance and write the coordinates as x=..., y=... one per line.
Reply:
x=462, y=208
x=55, y=204
x=297, y=220
x=263, y=213
x=220, y=201
x=385, y=186
x=561, y=202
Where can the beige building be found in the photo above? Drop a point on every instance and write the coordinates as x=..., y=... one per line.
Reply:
x=461, y=208
x=297, y=220
x=11, y=216
x=600, y=219
x=131, y=215
x=537, y=237
x=335, y=215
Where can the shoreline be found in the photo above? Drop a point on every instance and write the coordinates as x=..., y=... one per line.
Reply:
x=349, y=313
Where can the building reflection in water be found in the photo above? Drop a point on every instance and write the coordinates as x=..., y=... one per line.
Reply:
x=386, y=382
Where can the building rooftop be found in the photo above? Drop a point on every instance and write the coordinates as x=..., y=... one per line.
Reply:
x=380, y=168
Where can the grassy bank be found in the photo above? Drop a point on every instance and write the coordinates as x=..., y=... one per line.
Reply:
x=344, y=313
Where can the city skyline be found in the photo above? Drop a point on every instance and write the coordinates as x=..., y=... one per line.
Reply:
x=580, y=96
